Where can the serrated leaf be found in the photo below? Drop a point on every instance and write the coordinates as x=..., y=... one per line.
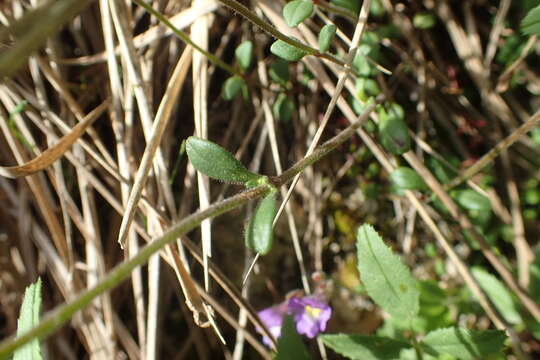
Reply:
x=287, y=52
x=279, y=71
x=244, y=54
x=463, y=343
x=297, y=11
x=259, y=233
x=232, y=87
x=289, y=344
x=364, y=347
x=498, y=294
x=216, y=162
x=326, y=35
x=530, y=25
x=471, y=200
x=387, y=280
x=393, y=131
x=28, y=318
x=283, y=108
x=406, y=178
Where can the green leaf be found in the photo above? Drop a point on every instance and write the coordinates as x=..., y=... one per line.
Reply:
x=326, y=35
x=393, y=132
x=259, y=233
x=364, y=347
x=498, y=294
x=424, y=20
x=352, y=5
x=463, y=343
x=471, y=200
x=387, y=280
x=366, y=88
x=232, y=87
x=28, y=318
x=279, y=71
x=297, y=11
x=283, y=108
x=290, y=345
x=406, y=178
x=531, y=23
x=216, y=162
x=244, y=54
x=287, y=52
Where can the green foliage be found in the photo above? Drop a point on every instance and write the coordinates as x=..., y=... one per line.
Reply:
x=216, y=162
x=232, y=87
x=244, y=54
x=498, y=294
x=283, y=108
x=531, y=23
x=511, y=49
x=290, y=345
x=326, y=35
x=259, y=233
x=351, y=5
x=387, y=280
x=287, y=52
x=363, y=347
x=369, y=48
x=366, y=88
x=424, y=20
x=464, y=344
x=406, y=178
x=377, y=9
x=28, y=318
x=434, y=311
x=279, y=72
x=297, y=11
x=471, y=200
x=393, y=132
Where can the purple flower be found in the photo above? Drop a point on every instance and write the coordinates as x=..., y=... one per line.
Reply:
x=310, y=314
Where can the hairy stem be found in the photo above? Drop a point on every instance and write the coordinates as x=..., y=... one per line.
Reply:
x=56, y=318
x=248, y=14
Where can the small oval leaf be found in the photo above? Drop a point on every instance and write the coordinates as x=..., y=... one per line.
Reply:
x=283, y=108
x=406, y=178
x=393, y=131
x=326, y=35
x=287, y=52
x=297, y=11
x=424, y=20
x=279, y=71
x=259, y=233
x=244, y=54
x=232, y=87
x=216, y=162
x=471, y=200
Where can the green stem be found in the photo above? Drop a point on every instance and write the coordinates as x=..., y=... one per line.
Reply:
x=56, y=318
x=184, y=37
x=248, y=14
x=336, y=10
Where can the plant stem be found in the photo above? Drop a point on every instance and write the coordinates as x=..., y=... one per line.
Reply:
x=185, y=38
x=248, y=14
x=56, y=318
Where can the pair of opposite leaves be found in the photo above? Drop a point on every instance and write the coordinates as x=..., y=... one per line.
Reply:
x=217, y=163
